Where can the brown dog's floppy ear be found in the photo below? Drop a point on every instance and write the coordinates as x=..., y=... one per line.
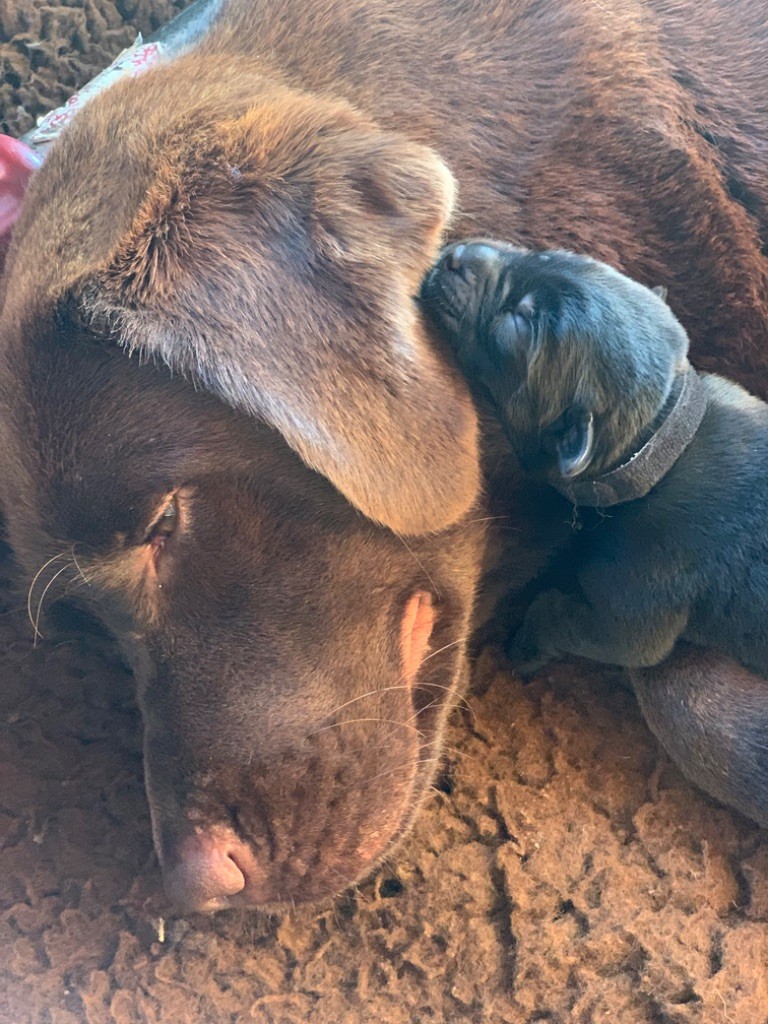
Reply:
x=385, y=193
x=226, y=275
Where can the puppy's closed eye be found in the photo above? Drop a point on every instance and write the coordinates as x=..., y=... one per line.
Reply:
x=514, y=328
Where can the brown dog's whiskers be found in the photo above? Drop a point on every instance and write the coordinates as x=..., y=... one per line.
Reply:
x=405, y=765
x=434, y=654
x=354, y=890
x=75, y=582
x=35, y=621
x=460, y=703
x=359, y=721
x=79, y=568
x=432, y=704
x=48, y=586
x=420, y=564
x=406, y=686
x=437, y=686
x=461, y=754
x=449, y=706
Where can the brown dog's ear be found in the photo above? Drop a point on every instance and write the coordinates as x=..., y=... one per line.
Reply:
x=386, y=196
x=279, y=273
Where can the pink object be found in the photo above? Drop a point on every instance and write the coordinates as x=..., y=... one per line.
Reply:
x=19, y=161
x=17, y=165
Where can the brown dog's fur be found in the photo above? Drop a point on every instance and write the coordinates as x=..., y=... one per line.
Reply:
x=257, y=216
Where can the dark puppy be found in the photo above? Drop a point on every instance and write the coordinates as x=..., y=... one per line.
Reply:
x=590, y=374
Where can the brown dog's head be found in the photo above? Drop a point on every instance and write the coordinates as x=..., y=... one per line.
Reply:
x=220, y=413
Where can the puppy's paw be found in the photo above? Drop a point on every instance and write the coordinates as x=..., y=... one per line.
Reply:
x=525, y=655
x=533, y=646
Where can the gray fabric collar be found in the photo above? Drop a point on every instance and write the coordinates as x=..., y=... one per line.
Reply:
x=635, y=477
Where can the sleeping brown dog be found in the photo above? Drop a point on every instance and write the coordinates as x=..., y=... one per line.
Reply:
x=226, y=429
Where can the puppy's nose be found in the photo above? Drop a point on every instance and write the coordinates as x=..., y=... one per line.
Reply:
x=207, y=870
x=470, y=260
x=452, y=258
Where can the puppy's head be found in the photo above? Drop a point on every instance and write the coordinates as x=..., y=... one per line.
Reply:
x=578, y=358
x=219, y=409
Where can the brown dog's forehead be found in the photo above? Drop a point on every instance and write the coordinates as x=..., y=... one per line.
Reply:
x=270, y=247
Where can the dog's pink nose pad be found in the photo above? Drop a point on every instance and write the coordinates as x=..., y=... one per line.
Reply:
x=208, y=870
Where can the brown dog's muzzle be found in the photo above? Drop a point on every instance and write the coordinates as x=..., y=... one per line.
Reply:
x=297, y=820
x=298, y=832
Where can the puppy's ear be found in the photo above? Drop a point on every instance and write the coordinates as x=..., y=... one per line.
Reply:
x=575, y=442
x=661, y=291
x=226, y=275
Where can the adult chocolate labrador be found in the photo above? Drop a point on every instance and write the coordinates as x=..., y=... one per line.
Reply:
x=226, y=428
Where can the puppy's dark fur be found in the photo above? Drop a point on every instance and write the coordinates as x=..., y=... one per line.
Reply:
x=581, y=364
x=218, y=395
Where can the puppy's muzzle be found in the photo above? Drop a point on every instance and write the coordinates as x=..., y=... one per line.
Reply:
x=469, y=261
x=452, y=286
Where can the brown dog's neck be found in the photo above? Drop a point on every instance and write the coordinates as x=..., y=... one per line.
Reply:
x=673, y=431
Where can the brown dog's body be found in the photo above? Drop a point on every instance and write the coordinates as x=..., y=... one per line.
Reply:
x=258, y=216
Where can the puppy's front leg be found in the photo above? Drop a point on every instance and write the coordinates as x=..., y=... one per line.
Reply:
x=557, y=625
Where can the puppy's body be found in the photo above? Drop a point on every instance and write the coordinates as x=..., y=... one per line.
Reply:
x=690, y=559
x=585, y=367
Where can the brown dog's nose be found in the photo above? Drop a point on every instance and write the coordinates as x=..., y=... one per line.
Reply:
x=208, y=870
x=470, y=259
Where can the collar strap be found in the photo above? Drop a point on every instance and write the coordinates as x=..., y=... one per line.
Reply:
x=635, y=478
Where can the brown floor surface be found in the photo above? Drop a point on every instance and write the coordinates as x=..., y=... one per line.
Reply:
x=563, y=873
